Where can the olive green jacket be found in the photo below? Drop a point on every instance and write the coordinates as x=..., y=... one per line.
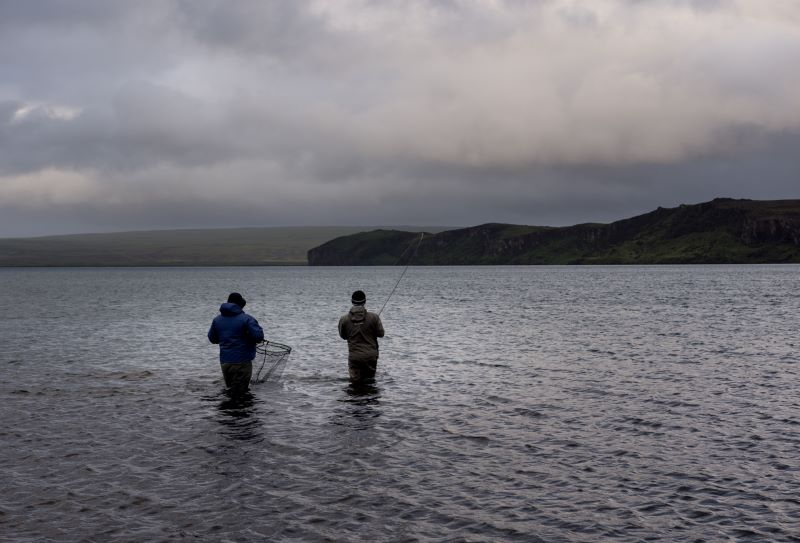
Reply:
x=361, y=329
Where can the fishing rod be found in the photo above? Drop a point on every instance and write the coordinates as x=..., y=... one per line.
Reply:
x=421, y=234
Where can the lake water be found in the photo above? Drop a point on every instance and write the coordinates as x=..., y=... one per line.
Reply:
x=511, y=404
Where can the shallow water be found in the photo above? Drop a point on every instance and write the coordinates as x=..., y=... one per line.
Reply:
x=511, y=404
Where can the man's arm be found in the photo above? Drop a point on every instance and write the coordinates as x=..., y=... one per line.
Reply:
x=254, y=330
x=213, y=337
x=378, y=327
x=342, y=330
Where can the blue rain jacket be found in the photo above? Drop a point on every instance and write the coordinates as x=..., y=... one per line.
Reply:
x=237, y=333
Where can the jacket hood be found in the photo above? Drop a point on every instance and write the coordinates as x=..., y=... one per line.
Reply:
x=230, y=309
x=358, y=313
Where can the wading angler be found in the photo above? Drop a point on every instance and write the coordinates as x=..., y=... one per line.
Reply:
x=237, y=334
x=361, y=329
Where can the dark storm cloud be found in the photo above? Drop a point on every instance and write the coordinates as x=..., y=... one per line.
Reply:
x=273, y=29
x=203, y=113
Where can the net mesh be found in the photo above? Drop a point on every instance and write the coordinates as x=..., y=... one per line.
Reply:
x=271, y=359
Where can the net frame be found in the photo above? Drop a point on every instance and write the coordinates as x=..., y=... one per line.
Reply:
x=274, y=357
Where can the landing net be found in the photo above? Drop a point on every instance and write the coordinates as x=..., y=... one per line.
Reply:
x=271, y=359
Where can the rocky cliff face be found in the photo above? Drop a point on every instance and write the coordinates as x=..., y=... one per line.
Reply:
x=771, y=230
x=379, y=247
x=723, y=231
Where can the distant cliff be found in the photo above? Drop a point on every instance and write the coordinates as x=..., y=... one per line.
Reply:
x=723, y=231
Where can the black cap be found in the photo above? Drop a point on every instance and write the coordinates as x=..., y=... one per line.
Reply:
x=236, y=298
x=359, y=298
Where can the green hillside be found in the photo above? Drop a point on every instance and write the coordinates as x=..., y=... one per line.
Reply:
x=721, y=231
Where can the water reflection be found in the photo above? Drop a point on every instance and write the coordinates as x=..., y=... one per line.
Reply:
x=363, y=393
x=237, y=405
x=238, y=416
x=359, y=410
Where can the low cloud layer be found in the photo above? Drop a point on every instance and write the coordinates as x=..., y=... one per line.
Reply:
x=187, y=114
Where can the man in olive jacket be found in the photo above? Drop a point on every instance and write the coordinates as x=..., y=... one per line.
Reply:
x=361, y=329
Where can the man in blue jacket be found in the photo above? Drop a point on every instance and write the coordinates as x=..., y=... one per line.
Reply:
x=237, y=333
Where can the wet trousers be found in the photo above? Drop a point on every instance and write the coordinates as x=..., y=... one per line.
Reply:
x=237, y=376
x=362, y=370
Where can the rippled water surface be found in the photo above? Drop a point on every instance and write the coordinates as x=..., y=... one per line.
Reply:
x=512, y=404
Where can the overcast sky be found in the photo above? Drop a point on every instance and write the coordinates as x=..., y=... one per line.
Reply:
x=199, y=113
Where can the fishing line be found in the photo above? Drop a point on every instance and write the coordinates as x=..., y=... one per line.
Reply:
x=421, y=234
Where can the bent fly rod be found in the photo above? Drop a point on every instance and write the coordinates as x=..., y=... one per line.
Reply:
x=421, y=234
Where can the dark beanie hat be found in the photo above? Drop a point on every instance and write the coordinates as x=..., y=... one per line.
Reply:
x=236, y=298
x=359, y=298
